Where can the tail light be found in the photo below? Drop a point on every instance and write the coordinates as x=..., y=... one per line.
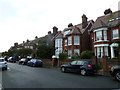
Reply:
x=89, y=65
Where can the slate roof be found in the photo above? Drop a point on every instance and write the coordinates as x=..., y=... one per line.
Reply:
x=60, y=35
x=109, y=20
x=77, y=29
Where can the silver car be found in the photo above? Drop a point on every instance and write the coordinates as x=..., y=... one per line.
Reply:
x=3, y=64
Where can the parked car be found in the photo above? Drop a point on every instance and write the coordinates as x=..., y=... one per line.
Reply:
x=12, y=59
x=77, y=66
x=35, y=62
x=3, y=64
x=115, y=72
x=23, y=61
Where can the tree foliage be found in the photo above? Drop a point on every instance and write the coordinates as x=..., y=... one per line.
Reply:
x=63, y=56
x=87, y=55
x=44, y=51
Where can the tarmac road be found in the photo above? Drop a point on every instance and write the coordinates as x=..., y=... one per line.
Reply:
x=22, y=76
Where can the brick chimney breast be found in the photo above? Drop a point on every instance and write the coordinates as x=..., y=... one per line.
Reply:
x=84, y=21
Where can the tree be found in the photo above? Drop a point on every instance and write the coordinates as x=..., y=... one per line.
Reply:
x=24, y=52
x=45, y=51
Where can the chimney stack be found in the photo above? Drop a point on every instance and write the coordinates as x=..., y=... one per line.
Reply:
x=16, y=44
x=55, y=30
x=84, y=21
x=70, y=25
x=107, y=11
x=49, y=32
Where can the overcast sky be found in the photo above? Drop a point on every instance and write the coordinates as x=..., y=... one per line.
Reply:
x=24, y=19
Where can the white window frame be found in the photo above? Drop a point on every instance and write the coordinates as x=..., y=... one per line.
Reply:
x=98, y=36
x=99, y=52
x=115, y=37
x=65, y=42
x=106, y=51
x=76, y=51
x=105, y=35
x=70, y=40
x=69, y=53
x=76, y=40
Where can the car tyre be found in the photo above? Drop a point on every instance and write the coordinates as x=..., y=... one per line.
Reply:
x=63, y=69
x=117, y=75
x=83, y=72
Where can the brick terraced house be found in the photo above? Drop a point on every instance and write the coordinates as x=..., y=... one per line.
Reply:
x=106, y=29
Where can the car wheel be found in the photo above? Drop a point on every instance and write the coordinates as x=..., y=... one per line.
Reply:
x=5, y=68
x=63, y=69
x=83, y=72
x=117, y=75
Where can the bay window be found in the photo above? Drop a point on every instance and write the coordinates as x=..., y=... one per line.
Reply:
x=98, y=35
x=105, y=35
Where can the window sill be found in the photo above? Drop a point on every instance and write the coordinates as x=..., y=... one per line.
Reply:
x=116, y=38
x=101, y=41
x=69, y=44
x=76, y=44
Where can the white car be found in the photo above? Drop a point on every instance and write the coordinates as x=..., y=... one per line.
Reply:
x=3, y=64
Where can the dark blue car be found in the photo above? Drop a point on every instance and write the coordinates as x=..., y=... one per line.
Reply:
x=82, y=67
x=35, y=62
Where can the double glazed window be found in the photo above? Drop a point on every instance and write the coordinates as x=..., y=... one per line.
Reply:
x=115, y=34
x=65, y=42
x=69, y=53
x=98, y=35
x=76, y=51
x=76, y=40
x=70, y=40
x=101, y=35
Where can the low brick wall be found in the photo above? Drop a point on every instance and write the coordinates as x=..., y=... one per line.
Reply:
x=111, y=63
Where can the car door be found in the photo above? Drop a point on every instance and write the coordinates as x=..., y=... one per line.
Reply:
x=79, y=65
x=72, y=66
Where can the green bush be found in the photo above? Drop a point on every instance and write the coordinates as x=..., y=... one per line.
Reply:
x=99, y=66
x=87, y=55
x=63, y=56
x=75, y=57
